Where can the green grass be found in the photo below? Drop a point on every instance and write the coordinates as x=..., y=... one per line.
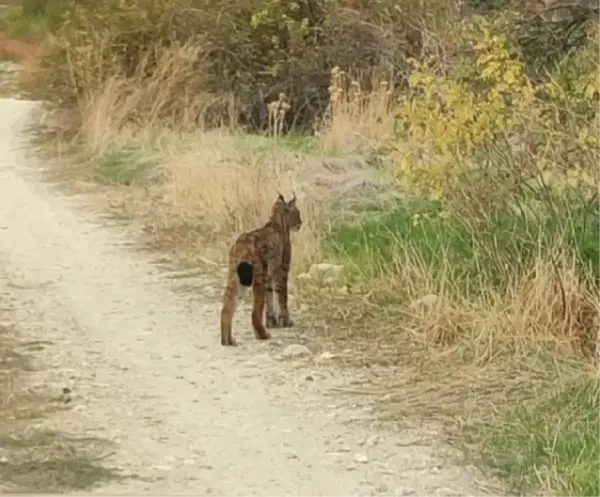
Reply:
x=119, y=164
x=122, y=167
x=552, y=445
x=301, y=144
x=371, y=245
x=471, y=254
x=18, y=24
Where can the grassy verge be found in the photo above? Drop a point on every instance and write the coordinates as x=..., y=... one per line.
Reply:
x=32, y=459
x=487, y=303
x=17, y=22
x=552, y=444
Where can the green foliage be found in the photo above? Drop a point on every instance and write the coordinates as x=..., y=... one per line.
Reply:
x=552, y=444
x=22, y=22
x=470, y=255
x=34, y=7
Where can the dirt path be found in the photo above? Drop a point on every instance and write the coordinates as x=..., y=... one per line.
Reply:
x=146, y=370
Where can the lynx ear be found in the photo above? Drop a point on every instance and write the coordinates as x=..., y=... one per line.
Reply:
x=280, y=197
x=293, y=200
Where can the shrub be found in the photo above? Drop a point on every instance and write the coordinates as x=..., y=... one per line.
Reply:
x=254, y=50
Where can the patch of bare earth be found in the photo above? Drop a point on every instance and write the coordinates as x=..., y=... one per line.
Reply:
x=33, y=457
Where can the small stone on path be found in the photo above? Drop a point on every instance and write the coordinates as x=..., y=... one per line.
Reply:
x=295, y=351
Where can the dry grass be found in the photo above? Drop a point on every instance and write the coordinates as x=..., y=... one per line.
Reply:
x=550, y=309
x=228, y=193
x=359, y=121
x=140, y=103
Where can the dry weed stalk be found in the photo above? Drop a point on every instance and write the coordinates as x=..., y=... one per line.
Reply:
x=277, y=111
x=354, y=118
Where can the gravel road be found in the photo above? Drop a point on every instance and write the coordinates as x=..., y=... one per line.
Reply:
x=147, y=371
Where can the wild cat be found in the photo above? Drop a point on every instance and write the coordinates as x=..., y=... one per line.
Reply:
x=261, y=259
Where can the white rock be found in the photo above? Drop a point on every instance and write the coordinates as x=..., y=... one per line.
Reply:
x=361, y=458
x=326, y=356
x=372, y=440
x=323, y=270
x=294, y=351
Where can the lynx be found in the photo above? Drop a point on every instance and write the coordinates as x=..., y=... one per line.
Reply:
x=261, y=259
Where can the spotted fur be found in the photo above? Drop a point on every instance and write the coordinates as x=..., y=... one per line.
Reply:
x=261, y=259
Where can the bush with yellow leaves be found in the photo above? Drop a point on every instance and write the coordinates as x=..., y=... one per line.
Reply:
x=484, y=121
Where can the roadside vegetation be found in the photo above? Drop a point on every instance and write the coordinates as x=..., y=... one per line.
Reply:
x=446, y=157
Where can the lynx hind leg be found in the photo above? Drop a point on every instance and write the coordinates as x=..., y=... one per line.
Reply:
x=259, y=298
x=228, y=310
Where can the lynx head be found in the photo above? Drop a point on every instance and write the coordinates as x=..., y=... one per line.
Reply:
x=287, y=213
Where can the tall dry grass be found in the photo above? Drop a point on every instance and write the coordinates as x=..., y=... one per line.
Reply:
x=157, y=95
x=357, y=120
x=549, y=308
x=226, y=191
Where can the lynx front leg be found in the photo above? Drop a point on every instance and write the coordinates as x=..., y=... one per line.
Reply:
x=259, y=296
x=281, y=286
x=284, y=320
